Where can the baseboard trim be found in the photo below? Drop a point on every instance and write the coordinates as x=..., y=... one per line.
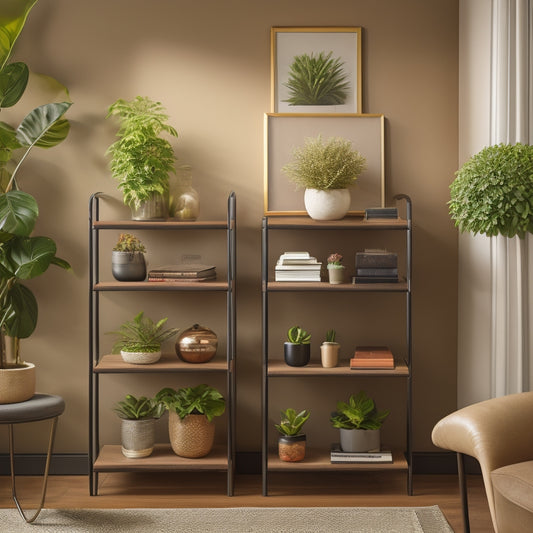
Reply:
x=246, y=463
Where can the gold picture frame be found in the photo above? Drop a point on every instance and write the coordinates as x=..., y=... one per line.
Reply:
x=285, y=131
x=344, y=45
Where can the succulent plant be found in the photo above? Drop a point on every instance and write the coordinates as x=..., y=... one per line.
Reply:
x=129, y=243
x=297, y=335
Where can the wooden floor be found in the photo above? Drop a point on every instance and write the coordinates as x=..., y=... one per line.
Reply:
x=367, y=489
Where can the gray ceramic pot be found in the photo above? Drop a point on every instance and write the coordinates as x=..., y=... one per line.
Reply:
x=138, y=437
x=128, y=266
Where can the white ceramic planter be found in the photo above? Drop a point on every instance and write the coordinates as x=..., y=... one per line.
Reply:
x=336, y=274
x=17, y=384
x=140, y=358
x=327, y=205
x=360, y=440
x=329, y=354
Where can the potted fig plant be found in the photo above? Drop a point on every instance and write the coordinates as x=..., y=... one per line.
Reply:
x=138, y=416
x=22, y=256
x=291, y=442
x=325, y=169
x=191, y=411
x=140, y=339
x=329, y=350
x=127, y=259
x=297, y=348
x=142, y=160
x=359, y=423
x=335, y=269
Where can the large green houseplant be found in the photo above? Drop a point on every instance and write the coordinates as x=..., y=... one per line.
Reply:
x=493, y=191
x=22, y=256
x=141, y=159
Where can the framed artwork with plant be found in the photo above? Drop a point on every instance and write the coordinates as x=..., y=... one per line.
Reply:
x=287, y=134
x=316, y=70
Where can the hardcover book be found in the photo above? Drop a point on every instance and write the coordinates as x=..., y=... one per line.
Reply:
x=376, y=259
x=183, y=271
x=339, y=456
x=372, y=357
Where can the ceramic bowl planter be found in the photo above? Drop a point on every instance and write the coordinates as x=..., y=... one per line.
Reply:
x=360, y=440
x=192, y=436
x=329, y=354
x=291, y=448
x=297, y=354
x=138, y=437
x=140, y=358
x=330, y=204
x=128, y=266
x=17, y=384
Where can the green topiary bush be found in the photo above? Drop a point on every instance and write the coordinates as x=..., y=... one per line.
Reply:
x=493, y=192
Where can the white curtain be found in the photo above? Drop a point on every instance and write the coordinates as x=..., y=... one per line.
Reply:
x=511, y=121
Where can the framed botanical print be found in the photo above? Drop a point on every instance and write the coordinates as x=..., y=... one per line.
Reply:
x=316, y=70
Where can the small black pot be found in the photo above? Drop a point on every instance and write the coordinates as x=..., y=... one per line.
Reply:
x=297, y=354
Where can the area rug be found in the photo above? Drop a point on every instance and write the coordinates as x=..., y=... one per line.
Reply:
x=233, y=520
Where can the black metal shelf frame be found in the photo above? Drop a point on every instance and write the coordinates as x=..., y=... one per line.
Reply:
x=292, y=225
x=95, y=226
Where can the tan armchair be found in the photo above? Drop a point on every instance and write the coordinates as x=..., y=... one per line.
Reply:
x=499, y=434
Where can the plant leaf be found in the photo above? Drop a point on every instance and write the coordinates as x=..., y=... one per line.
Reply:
x=39, y=121
x=22, y=321
x=31, y=256
x=13, y=81
x=18, y=213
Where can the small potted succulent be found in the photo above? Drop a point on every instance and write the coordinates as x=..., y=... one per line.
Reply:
x=191, y=411
x=297, y=348
x=140, y=339
x=335, y=269
x=138, y=424
x=127, y=259
x=291, y=442
x=329, y=350
x=359, y=423
x=325, y=169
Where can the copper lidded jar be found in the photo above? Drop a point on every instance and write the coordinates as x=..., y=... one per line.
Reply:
x=197, y=344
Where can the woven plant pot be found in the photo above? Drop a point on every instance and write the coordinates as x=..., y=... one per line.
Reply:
x=191, y=437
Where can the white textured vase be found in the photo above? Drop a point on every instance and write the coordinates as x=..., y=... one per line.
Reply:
x=327, y=205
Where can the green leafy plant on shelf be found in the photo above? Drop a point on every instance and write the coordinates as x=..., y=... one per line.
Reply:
x=142, y=334
x=141, y=160
x=297, y=335
x=132, y=408
x=317, y=80
x=493, y=192
x=359, y=413
x=292, y=422
x=129, y=243
x=325, y=164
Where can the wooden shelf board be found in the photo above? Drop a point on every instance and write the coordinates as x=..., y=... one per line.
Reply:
x=349, y=222
x=161, y=286
x=163, y=458
x=325, y=286
x=113, y=363
x=319, y=460
x=160, y=224
x=279, y=368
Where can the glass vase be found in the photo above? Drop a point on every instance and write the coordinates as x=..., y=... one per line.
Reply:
x=184, y=200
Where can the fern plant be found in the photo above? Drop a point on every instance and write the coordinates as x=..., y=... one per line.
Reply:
x=317, y=80
x=141, y=160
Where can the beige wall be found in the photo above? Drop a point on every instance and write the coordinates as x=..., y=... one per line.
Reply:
x=209, y=63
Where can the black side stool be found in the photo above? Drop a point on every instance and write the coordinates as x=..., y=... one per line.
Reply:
x=39, y=407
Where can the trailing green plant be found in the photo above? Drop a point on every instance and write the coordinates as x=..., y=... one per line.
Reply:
x=132, y=408
x=141, y=160
x=292, y=422
x=22, y=256
x=297, y=335
x=493, y=192
x=202, y=399
x=325, y=165
x=330, y=335
x=142, y=334
x=317, y=80
x=359, y=413
x=129, y=243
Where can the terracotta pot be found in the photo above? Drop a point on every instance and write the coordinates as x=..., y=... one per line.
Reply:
x=191, y=437
x=138, y=437
x=329, y=354
x=291, y=448
x=17, y=384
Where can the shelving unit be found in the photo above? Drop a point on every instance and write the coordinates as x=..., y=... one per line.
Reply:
x=108, y=458
x=273, y=368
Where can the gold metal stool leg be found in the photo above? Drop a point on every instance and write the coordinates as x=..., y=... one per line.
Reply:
x=46, y=468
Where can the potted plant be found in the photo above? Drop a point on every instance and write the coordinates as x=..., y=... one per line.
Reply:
x=325, y=168
x=141, y=160
x=493, y=192
x=297, y=348
x=291, y=442
x=317, y=80
x=22, y=256
x=138, y=416
x=191, y=411
x=359, y=423
x=329, y=350
x=140, y=339
x=335, y=269
x=127, y=259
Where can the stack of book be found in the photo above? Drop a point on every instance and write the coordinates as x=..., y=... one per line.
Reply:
x=183, y=272
x=380, y=213
x=372, y=357
x=338, y=456
x=297, y=266
x=376, y=266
